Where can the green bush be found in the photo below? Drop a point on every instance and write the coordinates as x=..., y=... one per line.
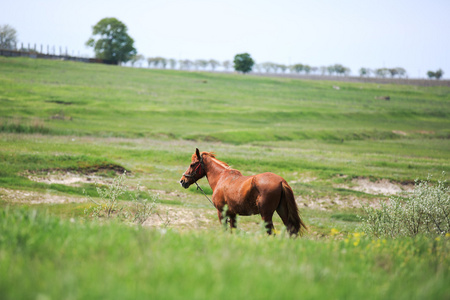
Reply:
x=425, y=211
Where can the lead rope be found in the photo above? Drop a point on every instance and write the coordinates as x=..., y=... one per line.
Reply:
x=199, y=188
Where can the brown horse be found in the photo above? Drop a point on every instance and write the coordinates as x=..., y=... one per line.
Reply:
x=245, y=195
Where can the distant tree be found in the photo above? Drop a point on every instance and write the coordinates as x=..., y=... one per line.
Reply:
x=8, y=37
x=275, y=67
x=200, y=63
x=323, y=70
x=181, y=64
x=136, y=58
x=297, y=68
x=438, y=74
x=172, y=63
x=243, y=62
x=347, y=71
x=153, y=61
x=185, y=64
x=401, y=72
x=213, y=63
x=283, y=68
x=331, y=70
x=307, y=69
x=339, y=69
x=227, y=65
x=113, y=42
x=393, y=72
x=381, y=72
x=267, y=66
x=364, y=72
x=160, y=62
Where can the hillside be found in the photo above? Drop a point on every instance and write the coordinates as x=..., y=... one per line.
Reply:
x=67, y=130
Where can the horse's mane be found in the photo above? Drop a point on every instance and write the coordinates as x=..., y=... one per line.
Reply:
x=213, y=155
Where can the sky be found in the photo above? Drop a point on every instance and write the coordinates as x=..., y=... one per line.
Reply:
x=411, y=34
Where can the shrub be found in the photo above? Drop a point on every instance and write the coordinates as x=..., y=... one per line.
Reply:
x=138, y=211
x=425, y=211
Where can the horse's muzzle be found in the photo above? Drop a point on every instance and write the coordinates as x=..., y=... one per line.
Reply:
x=184, y=183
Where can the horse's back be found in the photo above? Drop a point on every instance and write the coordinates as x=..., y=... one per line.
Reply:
x=268, y=182
x=238, y=192
x=245, y=195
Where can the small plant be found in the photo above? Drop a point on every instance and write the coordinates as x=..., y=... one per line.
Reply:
x=165, y=221
x=142, y=209
x=108, y=203
x=108, y=206
x=425, y=211
x=225, y=218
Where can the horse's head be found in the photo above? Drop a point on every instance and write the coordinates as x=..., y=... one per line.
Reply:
x=195, y=171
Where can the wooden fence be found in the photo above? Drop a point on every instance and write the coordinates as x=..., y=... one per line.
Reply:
x=34, y=54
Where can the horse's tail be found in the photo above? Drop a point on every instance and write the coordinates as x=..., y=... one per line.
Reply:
x=294, y=224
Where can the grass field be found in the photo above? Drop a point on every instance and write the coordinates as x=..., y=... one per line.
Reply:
x=65, y=125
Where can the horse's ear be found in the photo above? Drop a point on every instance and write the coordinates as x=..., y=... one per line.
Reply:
x=197, y=152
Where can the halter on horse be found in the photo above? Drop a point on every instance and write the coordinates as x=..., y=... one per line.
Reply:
x=245, y=195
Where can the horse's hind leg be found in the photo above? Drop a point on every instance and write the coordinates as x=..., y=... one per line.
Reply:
x=267, y=218
x=282, y=211
x=267, y=209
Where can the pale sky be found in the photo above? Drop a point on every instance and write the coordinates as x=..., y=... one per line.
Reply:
x=412, y=34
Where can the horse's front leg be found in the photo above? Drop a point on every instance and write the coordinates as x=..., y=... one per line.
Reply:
x=232, y=218
x=220, y=215
x=233, y=223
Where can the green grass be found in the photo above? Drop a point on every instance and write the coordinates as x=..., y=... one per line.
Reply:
x=84, y=99
x=58, y=117
x=53, y=258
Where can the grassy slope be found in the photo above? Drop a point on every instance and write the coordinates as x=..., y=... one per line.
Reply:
x=84, y=99
x=73, y=115
x=239, y=109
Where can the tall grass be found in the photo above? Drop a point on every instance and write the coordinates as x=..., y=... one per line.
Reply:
x=18, y=125
x=45, y=257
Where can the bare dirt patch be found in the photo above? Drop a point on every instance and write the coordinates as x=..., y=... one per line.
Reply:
x=31, y=197
x=378, y=187
x=180, y=217
x=337, y=202
x=399, y=132
x=67, y=178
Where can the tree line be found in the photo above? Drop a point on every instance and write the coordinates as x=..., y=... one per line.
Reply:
x=140, y=60
x=111, y=42
x=383, y=72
